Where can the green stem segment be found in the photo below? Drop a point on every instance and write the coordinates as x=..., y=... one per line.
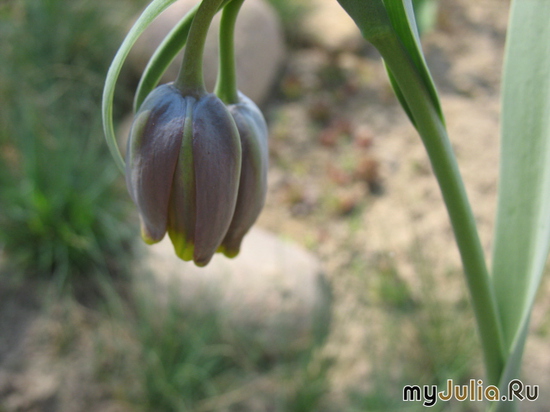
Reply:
x=414, y=91
x=445, y=167
x=226, y=86
x=190, y=79
x=163, y=57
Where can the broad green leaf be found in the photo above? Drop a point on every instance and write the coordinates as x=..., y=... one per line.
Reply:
x=155, y=8
x=163, y=56
x=522, y=232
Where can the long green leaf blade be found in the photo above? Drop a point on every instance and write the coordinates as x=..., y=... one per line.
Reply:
x=401, y=13
x=523, y=220
x=511, y=369
x=155, y=8
x=371, y=17
x=385, y=22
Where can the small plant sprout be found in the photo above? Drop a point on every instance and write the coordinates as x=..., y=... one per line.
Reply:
x=218, y=197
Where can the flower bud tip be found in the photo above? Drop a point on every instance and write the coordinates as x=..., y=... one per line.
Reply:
x=146, y=238
x=183, y=248
x=229, y=252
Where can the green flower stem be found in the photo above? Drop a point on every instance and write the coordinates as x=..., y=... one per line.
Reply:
x=153, y=10
x=443, y=161
x=163, y=56
x=190, y=79
x=226, y=85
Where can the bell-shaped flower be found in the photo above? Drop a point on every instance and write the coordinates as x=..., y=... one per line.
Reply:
x=183, y=169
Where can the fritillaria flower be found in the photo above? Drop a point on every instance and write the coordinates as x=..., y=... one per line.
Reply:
x=196, y=163
x=183, y=170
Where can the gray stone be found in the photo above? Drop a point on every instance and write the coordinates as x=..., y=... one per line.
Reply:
x=259, y=47
x=328, y=25
x=273, y=295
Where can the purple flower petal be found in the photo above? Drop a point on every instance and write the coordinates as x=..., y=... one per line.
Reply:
x=153, y=149
x=217, y=163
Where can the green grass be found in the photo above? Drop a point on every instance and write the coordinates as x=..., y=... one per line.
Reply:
x=62, y=212
x=178, y=360
x=426, y=338
x=426, y=14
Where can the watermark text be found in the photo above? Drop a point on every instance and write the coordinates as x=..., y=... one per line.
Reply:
x=473, y=391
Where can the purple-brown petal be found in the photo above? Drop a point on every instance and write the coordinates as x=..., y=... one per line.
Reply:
x=217, y=164
x=153, y=148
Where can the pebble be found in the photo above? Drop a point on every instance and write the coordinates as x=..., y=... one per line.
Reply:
x=328, y=25
x=273, y=295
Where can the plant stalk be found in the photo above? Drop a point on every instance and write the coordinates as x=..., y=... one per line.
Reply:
x=437, y=144
x=191, y=79
x=163, y=57
x=226, y=85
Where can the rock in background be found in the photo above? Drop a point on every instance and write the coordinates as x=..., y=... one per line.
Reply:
x=259, y=47
x=273, y=295
x=330, y=27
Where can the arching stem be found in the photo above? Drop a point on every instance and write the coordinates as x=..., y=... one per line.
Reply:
x=226, y=85
x=190, y=79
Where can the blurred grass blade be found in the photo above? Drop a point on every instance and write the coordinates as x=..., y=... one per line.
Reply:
x=163, y=56
x=523, y=219
x=155, y=8
x=426, y=14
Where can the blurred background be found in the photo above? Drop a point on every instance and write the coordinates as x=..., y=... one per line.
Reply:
x=350, y=286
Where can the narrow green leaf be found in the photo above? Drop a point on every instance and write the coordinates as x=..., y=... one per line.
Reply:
x=401, y=13
x=399, y=95
x=155, y=8
x=375, y=25
x=522, y=232
x=511, y=369
x=385, y=23
x=371, y=17
x=163, y=57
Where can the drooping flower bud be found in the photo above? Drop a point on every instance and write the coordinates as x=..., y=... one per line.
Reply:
x=182, y=170
x=253, y=181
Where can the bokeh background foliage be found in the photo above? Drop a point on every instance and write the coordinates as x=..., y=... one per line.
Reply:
x=61, y=211
x=66, y=221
